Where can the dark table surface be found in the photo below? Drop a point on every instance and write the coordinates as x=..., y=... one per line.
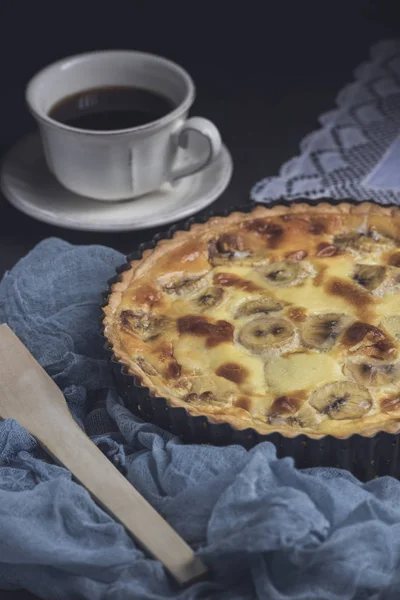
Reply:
x=263, y=72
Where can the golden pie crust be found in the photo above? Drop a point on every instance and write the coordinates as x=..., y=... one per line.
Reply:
x=282, y=319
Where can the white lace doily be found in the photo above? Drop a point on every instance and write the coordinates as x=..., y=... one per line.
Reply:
x=356, y=152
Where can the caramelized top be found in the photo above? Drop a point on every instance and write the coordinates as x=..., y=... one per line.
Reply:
x=283, y=319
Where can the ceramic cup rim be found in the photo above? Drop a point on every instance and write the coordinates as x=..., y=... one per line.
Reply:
x=42, y=117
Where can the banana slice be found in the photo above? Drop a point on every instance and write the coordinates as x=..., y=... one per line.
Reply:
x=259, y=305
x=341, y=400
x=143, y=324
x=229, y=249
x=306, y=418
x=373, y=372
x=390, y=404
x=184, y=285
x=368, y=340
x=321, y=331
x=393, y=278
x=208, y=398
x=264, y=332
x=364, y=243
x=146, y=366
x=283, y=273
x=392, y=325
x=211, y=296
x=369, y=276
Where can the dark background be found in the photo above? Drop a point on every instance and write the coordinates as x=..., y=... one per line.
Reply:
x=264, y=71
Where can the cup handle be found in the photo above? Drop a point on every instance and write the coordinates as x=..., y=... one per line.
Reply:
x=208, y=130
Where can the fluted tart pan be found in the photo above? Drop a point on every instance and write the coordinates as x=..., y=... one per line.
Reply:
x=369, y=451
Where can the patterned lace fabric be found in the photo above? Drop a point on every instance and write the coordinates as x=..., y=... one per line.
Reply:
x=356, y=152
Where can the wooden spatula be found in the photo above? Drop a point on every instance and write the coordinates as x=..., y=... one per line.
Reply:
x=30, y=396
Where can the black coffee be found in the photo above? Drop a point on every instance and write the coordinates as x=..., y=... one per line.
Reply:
x=110, y=108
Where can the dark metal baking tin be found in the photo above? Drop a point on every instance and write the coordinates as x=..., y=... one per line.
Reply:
x=365, y=457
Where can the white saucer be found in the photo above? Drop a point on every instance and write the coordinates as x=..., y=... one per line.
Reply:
x=28, y=184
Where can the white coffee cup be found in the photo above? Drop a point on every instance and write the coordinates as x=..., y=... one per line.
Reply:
x=120, y=164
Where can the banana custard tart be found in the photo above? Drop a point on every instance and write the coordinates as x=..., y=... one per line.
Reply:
x=283, y=321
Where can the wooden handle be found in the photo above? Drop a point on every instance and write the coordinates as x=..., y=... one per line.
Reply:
x=69, y=445
x=30, y=396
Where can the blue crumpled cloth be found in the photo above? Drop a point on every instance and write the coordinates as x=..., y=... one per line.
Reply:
x=267, y=530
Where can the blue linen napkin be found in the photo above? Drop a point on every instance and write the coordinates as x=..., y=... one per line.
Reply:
x=266, y=529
